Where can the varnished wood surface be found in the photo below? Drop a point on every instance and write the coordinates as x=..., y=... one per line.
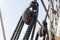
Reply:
x=57, y=38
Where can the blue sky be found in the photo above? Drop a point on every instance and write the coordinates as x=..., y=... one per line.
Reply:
x=12, y=10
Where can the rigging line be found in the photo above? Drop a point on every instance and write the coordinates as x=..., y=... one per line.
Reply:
x=16, y=28
x=52, y=1
x=20, y=27
x=39, y=23
x=45, y=9
x=44, y=6
x=27, y=34
x=33, y=30
x=48, y=10
x=46, y=16
x=2, y=26
x=19, y=31
x=36, y=38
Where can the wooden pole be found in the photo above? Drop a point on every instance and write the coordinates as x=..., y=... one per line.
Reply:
x=2, y=26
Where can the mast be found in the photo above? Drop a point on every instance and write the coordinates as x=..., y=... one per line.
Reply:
x=2, y=26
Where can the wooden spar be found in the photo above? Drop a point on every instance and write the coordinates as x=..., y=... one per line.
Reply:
x=2, y=26
x=57, y=38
